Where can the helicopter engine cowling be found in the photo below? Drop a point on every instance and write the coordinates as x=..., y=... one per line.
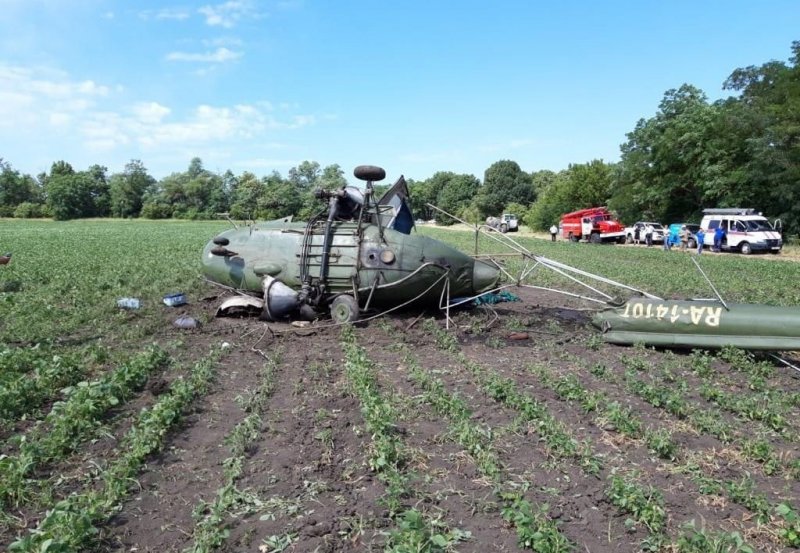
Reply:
x=279, y=300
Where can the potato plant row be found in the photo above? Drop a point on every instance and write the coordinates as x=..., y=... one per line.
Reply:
x=71, y=524
x=389, y=458
x=535, y=529
x=71, y=422
x=29, y=377
x=625, y=488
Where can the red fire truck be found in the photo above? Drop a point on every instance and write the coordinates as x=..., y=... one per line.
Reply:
x=595, y=224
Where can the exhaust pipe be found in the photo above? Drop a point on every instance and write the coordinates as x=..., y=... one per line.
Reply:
x=279, y=299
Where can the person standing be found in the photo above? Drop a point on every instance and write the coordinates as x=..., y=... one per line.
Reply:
x=553, y=232
x=718, y=234
x=700, y=236
x=684, y=238
x=648, y=234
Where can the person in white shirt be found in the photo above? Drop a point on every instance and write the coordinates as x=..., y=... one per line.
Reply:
x=648, y=235
x=553, y=232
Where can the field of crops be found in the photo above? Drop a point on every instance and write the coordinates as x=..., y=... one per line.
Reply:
x=515, y=429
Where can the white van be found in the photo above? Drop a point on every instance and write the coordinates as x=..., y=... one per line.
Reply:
x=745, y=230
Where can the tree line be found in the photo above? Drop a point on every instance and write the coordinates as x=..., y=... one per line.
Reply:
x=741, y=151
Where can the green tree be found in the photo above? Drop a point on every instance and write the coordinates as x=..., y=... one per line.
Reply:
x=332, y=177
x=665, y=165
x=15, y=189
x=542, y=180
x=280, y=198
x=768, y=120
x=195, y=193
x=578, y=187
x=305, y=175
x=244, y=201
x=70, y=196
x=101, y=200
x=504, y=182
x=422, y=193
x=127, y=189
x=455, y=193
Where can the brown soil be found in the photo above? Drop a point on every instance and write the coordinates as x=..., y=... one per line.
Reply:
x=306, y=474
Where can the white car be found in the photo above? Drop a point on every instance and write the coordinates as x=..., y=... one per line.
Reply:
x=658, y=231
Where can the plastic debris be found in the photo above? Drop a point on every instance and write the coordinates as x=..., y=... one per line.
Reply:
x=129, y=303
x=493, y=298
x=186, y=322
x=174, y=300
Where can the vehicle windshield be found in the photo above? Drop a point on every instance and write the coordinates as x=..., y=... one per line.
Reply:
x=762, y=224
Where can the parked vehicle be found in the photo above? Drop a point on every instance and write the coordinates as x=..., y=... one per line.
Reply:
x=506, y=223
x=596, y=224
x=630, y=232
x=674, y=236
x=511, y=222
x=746, y=230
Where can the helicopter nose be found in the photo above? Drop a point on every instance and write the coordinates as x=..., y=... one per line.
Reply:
x=484, y=276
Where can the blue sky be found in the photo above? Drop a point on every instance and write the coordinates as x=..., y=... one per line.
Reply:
x=416, y=87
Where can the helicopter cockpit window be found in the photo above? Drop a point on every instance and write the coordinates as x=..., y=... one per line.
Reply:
x=399, y=218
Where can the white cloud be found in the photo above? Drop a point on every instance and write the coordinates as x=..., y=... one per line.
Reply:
x=58, y=119
x=176, y=14
x=228, y=14
x=31, y=96
x=223, y=41
x=150, y=112
x=108, y=15
x=220, y=55
x=302, y=121
x=54, y=114
x=173, y=13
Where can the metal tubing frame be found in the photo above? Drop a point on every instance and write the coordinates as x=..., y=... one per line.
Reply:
x=551, y=264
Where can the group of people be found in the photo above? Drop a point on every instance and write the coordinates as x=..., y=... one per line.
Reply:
x=684, y=234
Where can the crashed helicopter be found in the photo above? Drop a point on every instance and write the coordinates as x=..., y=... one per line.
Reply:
x=359, y=253
x=356, y=254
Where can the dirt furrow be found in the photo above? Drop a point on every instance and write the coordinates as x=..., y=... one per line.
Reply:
x=575, y=499
x=159, y=518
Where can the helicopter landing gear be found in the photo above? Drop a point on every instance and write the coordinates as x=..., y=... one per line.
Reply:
x=344, y=309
